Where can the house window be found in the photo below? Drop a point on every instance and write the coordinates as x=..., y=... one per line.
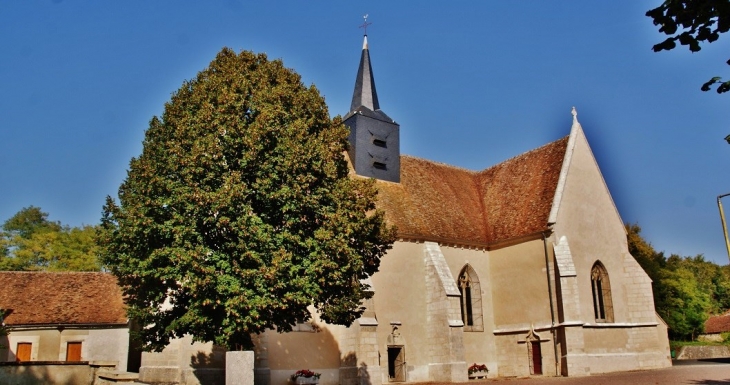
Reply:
x=22, y=351
x=471, y=300
x=601, y=289
x=73, y=351
x=380, y=143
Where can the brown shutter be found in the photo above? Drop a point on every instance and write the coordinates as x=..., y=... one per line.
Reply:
x=73, y=351
x=22, y=353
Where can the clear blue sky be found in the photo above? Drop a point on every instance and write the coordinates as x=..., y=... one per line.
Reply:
x=471, y=84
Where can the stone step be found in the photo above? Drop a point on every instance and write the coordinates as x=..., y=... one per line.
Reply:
x=119, y=377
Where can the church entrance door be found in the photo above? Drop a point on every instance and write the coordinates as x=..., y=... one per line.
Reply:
x=536, y=357
x=396, y=364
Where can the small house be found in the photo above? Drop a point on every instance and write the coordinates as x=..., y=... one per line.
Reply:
x=69, y=316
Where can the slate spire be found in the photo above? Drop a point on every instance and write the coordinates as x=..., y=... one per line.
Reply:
x=365, y=94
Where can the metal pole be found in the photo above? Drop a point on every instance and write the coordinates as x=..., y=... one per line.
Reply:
x=724, y=225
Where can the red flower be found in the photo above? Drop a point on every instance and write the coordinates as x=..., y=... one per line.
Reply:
x=306, y=373
x=477, y=368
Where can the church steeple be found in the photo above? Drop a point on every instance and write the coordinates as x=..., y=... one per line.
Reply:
x=374, y=137
x=365, y=94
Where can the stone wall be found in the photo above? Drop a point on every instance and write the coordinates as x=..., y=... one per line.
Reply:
x=52, y=372
x=184, y=362
x=702, y=352
x=46, y=373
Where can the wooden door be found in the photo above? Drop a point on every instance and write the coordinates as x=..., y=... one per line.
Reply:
x=396, y=363
x=536, y=358
x=400, y=365
x=73, y=351
x=22, y=352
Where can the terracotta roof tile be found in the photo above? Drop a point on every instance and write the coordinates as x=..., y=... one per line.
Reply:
x=433, y=200
x=718, y=324
x=38, y=298
x=518, y=193
x=438, y=201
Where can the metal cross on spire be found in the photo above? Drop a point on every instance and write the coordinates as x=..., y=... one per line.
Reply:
x=365, y=24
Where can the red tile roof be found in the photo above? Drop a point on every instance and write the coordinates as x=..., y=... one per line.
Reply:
x=440, y=202
x=518, y=194
x=718, y=324
x=39, y=298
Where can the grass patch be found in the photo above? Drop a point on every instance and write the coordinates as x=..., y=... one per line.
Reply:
x=675, y=345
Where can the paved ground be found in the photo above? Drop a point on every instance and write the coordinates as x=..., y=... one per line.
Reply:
x=704, y=372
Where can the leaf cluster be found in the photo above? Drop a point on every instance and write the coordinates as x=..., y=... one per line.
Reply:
x=239, y=214
x=692, y=22
x=29, y=241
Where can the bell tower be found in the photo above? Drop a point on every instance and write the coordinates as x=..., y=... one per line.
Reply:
x=374, y=137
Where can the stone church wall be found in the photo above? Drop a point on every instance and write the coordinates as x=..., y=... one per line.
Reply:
x=400, y=302
x=594, y=231
x=515, y=358
x=479, y=346
x=519, y=285
x=314, y=349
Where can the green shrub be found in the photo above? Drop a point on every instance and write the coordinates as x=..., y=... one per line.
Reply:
x=725, y=337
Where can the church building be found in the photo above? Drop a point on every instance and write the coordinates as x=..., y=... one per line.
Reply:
x=522, y=268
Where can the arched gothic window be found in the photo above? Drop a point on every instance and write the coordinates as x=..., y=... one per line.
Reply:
x=471, y=300
x=601, y=289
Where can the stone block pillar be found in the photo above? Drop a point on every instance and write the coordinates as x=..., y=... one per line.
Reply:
x=572, y=344
x=444, y=325
x=359, y=359
x=239, y=368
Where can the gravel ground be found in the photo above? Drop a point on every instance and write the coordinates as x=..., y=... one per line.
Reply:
x=690, y=373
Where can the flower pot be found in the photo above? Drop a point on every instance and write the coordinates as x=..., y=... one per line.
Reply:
x=478, y=374
x=306, y=380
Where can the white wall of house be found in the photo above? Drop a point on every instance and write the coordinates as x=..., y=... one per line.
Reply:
x=50, y=343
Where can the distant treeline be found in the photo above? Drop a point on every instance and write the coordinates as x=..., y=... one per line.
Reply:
x=29, y=241
x=687, y=290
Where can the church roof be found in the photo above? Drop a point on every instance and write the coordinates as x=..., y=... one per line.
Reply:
x=445, y=203
x=73, y=298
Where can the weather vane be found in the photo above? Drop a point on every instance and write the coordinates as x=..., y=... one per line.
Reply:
x=365, y=24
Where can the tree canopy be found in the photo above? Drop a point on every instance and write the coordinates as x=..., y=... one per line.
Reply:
x=687, y=290
x=29, y=241
x=239, y=214
x=691, y=23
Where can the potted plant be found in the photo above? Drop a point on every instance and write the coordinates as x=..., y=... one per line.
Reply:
x=477, y=371
x=305, y=376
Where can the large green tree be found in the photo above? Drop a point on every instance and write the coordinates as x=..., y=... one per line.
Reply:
x=691, y=23
x=681, y=301
x=687, y=290
x=29, y=241
x=650, y=260
x=239, y=214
